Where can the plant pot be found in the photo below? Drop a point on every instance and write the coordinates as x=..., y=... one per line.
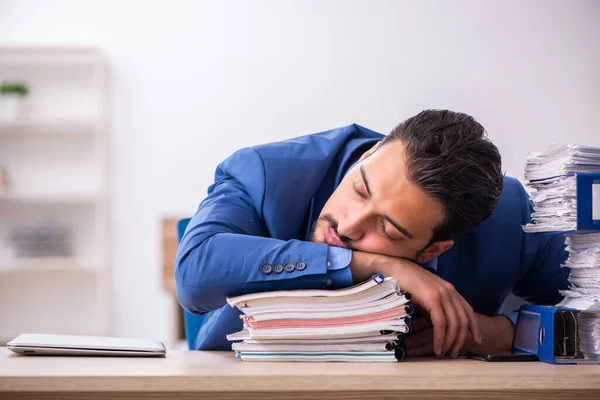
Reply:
x=10, y=107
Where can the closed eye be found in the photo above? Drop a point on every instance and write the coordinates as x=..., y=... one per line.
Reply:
x=358, y=193
x=398, y=227
x=382, y=223
x=384, y=232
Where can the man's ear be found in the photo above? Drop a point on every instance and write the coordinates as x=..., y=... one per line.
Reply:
x=369, y=152
x=434, y=251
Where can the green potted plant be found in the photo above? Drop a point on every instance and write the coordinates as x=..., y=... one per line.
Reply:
x=12, y=95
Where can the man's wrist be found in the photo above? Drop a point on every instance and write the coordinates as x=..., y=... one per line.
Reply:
x=362, y=266
x=497, y=332
x=506, y=326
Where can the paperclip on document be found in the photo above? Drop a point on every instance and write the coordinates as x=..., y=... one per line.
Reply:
x=566, y=204
x=558, y=335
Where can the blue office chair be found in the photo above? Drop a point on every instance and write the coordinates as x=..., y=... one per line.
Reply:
x=191, y=322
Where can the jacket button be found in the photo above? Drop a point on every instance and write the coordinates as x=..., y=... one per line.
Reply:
x=266, y=268
x=278, y=268
x=289, y=267
x=300, y=266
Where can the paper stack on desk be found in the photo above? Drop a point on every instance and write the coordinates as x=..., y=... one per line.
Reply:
x=584, y=262
x=362, y=323
x=588, y=329
x=558, y=195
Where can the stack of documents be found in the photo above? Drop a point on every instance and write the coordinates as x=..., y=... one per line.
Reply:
x=562, y=160
x=555, y=204
x=552, y=177
x=584, y=278
x=362, y=323
x=588, y=333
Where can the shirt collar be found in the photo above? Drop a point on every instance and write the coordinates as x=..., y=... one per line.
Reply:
x=431, y=265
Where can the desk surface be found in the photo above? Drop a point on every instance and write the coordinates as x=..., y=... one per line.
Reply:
x=210, y=374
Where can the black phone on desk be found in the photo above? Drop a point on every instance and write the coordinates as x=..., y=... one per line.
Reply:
x=502, y=357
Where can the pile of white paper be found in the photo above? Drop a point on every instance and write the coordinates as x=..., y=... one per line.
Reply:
x=584, y=278
x=553, y=190
x=588, y=327
x=362, y=323
x=555, y=204
x=561, y=160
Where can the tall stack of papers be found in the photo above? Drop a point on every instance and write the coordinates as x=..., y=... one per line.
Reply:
x=562, y=160
x=588, y=326
x=555, y=204
x=584, y=261
x=552, y=178
x=362, y=323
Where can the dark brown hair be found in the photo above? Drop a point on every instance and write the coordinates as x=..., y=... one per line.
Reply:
x=450, y=157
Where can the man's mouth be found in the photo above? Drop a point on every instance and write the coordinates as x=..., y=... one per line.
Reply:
x=332, y=238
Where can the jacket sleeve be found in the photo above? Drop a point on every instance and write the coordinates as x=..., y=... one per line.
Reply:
x=542, y=256
x=226, y=249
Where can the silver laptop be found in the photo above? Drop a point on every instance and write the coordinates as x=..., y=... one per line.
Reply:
x=80, y=345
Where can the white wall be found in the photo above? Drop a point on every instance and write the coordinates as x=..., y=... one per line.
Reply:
x=193, y=81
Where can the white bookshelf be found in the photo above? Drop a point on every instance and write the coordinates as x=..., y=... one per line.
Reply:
x=50, y=128
x=49, y=198
x=56, y=158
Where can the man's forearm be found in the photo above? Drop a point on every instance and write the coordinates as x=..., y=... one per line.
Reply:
x=232, y=264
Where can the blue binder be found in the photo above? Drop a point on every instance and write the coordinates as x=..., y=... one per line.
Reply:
x=551, y=333
x=587, y=194
x=588, y=202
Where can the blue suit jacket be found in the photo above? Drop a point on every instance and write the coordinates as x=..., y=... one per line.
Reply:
x=265, y=199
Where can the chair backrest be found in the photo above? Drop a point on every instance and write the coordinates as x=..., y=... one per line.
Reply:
x=191, y=322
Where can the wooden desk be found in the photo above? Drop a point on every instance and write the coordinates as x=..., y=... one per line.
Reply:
x=220, y=376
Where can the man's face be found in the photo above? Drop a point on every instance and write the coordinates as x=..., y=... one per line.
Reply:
x=376, y=209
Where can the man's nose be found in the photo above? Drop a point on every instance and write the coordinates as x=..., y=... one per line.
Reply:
x=352, y=225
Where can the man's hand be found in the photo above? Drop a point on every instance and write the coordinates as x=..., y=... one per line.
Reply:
x=497, y=333
x=451, y=316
